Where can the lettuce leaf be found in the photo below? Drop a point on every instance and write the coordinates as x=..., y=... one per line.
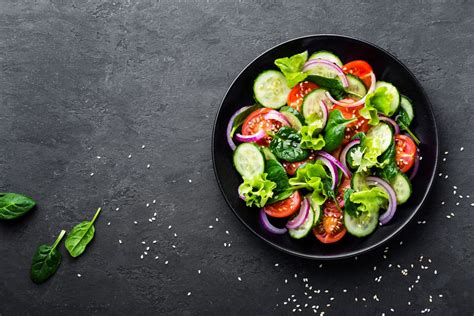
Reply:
x=371, y=151
x=292, y=67
x=375, y=102
x=312, y=177
x=257, y=190
x=370, y=200
x=310, y=137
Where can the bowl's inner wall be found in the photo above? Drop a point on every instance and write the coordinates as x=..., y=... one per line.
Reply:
x=386, y=68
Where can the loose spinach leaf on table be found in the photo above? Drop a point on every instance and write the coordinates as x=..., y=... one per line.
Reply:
x=286, y=145
x=334, y=130
x=80, y=236
x=13, y=205
x=334, y=86
x=46, y=261
x=240, y=118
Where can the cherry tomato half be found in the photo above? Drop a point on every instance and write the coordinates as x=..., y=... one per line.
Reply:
x=405, y=152
x=360, y=69
x=284, y=208
x=256, y=121
x=297, y=94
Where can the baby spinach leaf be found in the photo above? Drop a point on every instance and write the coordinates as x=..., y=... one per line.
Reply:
x=240, y=118
x=387, y=159
x=80, y=236
x=292, y=67
x=333, y=85
x=46, y=261
x=334, y=130
x=403, y=121
x=13, y=205
x=276, y=173
x=280, y=196
x=286, y=145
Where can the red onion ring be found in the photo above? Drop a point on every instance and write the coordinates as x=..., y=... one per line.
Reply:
x=231, y=123
x=335, y=162
x=332, y=169
x=299, y=219
x=391, y=122
x=277, y=116
x=251, y=138
x=315, y=62
x=392, y=198
x=416, y=166
x=268, y=226
x=346, y=150
x=356, y=103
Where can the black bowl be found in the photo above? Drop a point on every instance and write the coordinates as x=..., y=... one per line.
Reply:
x=387, y=68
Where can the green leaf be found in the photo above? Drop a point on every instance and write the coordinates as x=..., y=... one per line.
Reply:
x=333, y=85
x=313, y=177
x=46, y=261
x=280, y=196
x=257, y=190
x=286, y=145
x=370, y=200
x=276, y=173
x=240, y=118
x=334, y=130
x=387, y=159
x=13, y=205
x=310, y=137
x=292, y=67
x=403, y=121
x=80, y=236
x=375, y=102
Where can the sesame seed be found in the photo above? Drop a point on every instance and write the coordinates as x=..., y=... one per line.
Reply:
x=239, y=278
x=166, y=262
x=457, y=203
x=154, y=241
x=148, y=248
x=199, y=271
x=276, y=264
x=108, y=224
x=227, y=232
x=189, y=293
x=169, y=227
x=461, y=149
x=118, y=208
x=445, y=152
x=148, y=166
x=79, y=275
x=154, y=201
x=141, y=257
x=440, y=174
x=211, y=227
x=217, y=219
x=156, y=257
x=145, y=253
x=190, y=180
x=120, y=241
x=92, y=174
x=135, y=222
x=444, y=159
x=129, y=156
x=143, y=146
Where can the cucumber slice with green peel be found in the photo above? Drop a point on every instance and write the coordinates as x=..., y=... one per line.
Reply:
x=271, y=89
x=383, y=134
x=402, y=187
x=362, y=225
x=311, y=107
x=393, y=93
x=294, y=117
x=316, y=209
x=326, y=55
x=305, y=228
x=358, y=182
x=249, y=160
x=356, y=86
x=407, y=106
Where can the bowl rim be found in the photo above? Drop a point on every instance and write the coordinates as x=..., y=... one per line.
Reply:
x=348, y=254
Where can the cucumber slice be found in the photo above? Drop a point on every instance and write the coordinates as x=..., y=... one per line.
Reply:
x=311, y=107
x=362, y=225
x=407, y=106
x=356, y=86
x=305, y=228
x=270, y=89
x=326, y=55
x=402, y=187
x=249, y=160
x=358, y=182
x=383, y=133
x=316, y=209
x=394, y=95
x=293, y=116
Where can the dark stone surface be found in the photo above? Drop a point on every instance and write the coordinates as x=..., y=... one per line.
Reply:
x=82, y=79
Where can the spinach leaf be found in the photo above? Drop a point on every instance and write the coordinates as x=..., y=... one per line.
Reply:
x=13, y=205
x=80, y=236
x=403, y=121
x=257, y=190
x=240, y=118
x=334, y=130
x=46, y=261
x=286, y=145
x=276, y=173
x=387, y=159
x=349, y=206
x=292, y=67
x=280, y=196
x=334, y=86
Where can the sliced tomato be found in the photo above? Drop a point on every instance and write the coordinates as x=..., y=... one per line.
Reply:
x=297, y=94
x=405, y=152
x=284, y=208
x=360, y=69
x=291, y=167
x=360, y=125
x=256, y=121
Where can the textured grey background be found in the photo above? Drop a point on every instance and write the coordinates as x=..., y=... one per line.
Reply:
x=82, y=79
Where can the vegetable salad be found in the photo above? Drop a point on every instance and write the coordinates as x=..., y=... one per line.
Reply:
x=326, y=146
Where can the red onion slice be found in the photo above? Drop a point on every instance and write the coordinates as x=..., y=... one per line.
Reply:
x=332, y=169
x=277, y=116
x=336, y=162
x=416, y=166
x=392, y=198
x=346, y=150
x=391, y=122
x=251, y=138
x=230, y=124
x=268, y=226
x=356, y=103
x=299, y=219
x=315, y=62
